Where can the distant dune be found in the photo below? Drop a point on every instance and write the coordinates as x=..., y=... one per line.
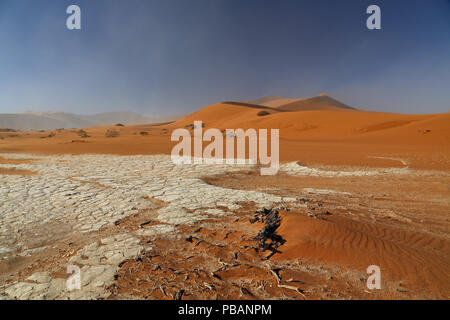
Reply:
x=56, y=120
x=320, y=102
x=323, y=117
x=318, y=130
x=307, y=123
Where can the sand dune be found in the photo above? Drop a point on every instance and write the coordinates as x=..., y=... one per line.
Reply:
x=320, y=102
x=335, y=219
x=331, y=137
x=360, y=244
x=396, y=222
x=329, y=124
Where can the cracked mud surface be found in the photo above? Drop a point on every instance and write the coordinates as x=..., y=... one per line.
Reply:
x=140, y=227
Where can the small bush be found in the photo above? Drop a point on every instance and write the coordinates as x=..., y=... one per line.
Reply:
x=51, y=134
x=191, y=126
x=262, y=113
x=143, y=133
x=120, y=125
x=111, y=133
x=82, y=133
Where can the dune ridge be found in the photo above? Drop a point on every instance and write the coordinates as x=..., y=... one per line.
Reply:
x=332, y=136
x=338, y=214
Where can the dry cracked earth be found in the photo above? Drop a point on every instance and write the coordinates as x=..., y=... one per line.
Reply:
x=141, y=227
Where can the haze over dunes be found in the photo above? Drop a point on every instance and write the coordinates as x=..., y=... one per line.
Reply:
x=55, y=120
x=320, y=102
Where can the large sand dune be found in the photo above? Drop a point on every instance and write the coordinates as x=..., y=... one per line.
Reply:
x=340, y=136
x=320, y=102
x=331, y=123
x=355, y=188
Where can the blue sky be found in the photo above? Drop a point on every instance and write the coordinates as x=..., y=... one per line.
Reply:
x=166, y=57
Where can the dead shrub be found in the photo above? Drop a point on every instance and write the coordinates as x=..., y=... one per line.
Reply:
x=82, y=133
x=262, y=113
x=111, y=133
x=50, y=135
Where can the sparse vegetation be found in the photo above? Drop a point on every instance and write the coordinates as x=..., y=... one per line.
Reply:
x=143, y=133
x=191, y=126
x=120, y=125
x=50, y=135
x=82, y=133
x=262, y=113
x=7, y=130
x=111, y=133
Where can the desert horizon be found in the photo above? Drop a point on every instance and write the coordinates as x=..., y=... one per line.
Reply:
x=226, y=155
x=333, y=158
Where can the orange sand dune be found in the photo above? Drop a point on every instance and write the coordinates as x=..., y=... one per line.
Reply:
x=331, y=137
x=400, y=254
x=330, y=124
x=398, y=223
x=320, y=102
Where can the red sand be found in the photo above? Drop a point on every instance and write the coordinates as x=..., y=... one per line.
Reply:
x=410, y=242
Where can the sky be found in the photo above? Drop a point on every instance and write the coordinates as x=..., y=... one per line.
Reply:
x=170, y=57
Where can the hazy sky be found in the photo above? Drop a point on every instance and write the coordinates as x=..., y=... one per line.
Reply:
x=166, y=57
